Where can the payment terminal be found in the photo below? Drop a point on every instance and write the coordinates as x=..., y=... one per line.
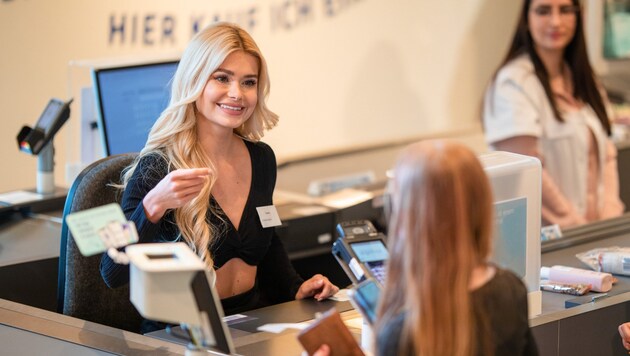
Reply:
x=361, y=251
x=364, y=297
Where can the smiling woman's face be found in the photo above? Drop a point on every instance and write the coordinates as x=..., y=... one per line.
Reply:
x=231, y=93
x=552, y=23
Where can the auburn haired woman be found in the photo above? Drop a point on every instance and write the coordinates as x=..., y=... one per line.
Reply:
x=441, y=295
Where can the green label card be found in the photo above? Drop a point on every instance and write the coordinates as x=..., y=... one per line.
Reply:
x=89, y=227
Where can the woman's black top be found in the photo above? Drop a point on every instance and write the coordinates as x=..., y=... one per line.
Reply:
x=500, y=307
x=276, y=279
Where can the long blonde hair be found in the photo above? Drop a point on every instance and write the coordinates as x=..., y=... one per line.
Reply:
x=174, y=134
x=440, y=230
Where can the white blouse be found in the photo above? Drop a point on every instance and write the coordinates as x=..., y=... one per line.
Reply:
x=516, y=105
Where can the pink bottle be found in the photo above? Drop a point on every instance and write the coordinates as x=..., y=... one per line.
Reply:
x=599, y=281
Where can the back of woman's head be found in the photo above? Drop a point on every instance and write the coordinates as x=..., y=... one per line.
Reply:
x=440, y=230
x=441, y=203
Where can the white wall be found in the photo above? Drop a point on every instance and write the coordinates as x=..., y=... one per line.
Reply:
x=346, y=73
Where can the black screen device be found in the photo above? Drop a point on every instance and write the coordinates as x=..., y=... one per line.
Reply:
x=55, y=114
x=209, y=304
x=355, y=227
x=361, y=251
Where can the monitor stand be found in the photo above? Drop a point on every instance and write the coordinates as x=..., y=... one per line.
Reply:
x=45, y=197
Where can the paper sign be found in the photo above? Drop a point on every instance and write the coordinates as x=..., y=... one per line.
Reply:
x=510, y=243
x=341, y=296
x=95, y=230
x=277, y=328
x=268, y=216
x=18, y=197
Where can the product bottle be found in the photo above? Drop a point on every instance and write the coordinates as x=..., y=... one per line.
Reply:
x=599, y=281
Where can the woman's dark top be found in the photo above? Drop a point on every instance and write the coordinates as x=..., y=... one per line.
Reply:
x=501, y=304
x=276, y=279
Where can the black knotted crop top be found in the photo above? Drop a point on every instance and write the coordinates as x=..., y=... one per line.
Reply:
x=251, y=242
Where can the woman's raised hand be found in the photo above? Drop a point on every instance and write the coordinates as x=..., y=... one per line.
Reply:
x=173, y=191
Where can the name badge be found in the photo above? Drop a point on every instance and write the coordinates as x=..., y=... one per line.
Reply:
x=268, y=216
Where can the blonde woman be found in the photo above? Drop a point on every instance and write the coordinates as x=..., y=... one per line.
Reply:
x=203, y=172
x=442, y=296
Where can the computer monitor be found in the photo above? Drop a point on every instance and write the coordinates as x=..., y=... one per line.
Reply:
x=617, y=29
x=129, y=99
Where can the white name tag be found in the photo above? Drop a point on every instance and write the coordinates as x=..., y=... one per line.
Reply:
x=268, y=216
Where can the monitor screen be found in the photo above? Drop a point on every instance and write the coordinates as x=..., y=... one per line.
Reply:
x=129, y=100
x=617, y=29
x=366, y=297
x=370, y=251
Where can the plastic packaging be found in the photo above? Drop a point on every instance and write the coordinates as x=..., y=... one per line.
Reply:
x=565, y=288
x=599, y=281
x=610, y=259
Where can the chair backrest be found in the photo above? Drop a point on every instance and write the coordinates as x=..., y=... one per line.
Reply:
x=81, y=292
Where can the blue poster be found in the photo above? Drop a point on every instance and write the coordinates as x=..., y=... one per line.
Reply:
x=510, y=243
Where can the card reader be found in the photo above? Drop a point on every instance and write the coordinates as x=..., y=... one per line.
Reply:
x=361, y=251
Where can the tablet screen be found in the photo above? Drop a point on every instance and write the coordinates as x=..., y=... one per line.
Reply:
x=366, y=298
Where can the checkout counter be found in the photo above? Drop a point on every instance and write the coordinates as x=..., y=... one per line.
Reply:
x=29, y=326
x=588, y=329
x=30, y=236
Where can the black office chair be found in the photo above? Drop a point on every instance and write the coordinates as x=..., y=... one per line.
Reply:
x=81, y=292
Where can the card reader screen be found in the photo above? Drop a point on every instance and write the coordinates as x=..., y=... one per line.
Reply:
x=51, y=112
x=367, y=295
x=370, y=251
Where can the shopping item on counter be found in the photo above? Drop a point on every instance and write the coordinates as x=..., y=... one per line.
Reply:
x=599, y=281
x=565, y=288
x=612, y=259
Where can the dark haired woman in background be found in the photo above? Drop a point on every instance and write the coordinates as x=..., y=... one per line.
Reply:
x=545, y=102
